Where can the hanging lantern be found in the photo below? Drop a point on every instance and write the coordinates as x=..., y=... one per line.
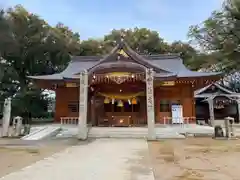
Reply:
x=106, y=101
x=134, y=101
x=120, y=103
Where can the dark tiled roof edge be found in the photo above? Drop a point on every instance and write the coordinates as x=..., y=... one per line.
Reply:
x=147, y=57
x=86, y=58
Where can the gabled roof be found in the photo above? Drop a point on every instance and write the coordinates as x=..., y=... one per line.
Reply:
x=164, y=66
x=206, y=91
x=127, y=55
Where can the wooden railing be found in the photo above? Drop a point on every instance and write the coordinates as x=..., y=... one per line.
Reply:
x=69, y=120
x=185, y=120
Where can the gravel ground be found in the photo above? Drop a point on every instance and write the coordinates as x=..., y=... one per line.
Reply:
x=195, y=159
x=16, y=154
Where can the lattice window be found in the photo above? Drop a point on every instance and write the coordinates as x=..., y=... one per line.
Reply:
x=165, y=106
x=73, y=106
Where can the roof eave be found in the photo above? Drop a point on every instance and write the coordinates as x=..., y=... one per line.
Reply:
x=169, y=78
x=218, y=74
x=45, y=78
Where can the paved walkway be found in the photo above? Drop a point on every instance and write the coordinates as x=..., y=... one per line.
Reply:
x=101, y=159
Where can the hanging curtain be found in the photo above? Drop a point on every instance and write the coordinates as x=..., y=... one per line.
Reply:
x=120, y=103
x=106, y=101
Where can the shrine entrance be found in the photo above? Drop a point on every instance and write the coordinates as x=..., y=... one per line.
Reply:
x=119, y=102
x=123, y=111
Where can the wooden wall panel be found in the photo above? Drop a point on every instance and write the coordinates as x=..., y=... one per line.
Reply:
x=184, y=93
x=63, y=96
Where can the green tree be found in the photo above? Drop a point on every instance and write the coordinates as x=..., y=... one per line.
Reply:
x=220, y=34
x=92, y=47
x=141, y=40
x=36, y=49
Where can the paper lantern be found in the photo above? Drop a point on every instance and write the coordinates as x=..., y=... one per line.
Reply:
x=134, y=101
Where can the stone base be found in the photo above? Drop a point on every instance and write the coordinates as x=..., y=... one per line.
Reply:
x=225, y=138
x=83, y=134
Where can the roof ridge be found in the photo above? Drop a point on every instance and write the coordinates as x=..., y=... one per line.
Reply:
x=201, y=90
x=148, y=57
x=162, y=56
x=86, y=58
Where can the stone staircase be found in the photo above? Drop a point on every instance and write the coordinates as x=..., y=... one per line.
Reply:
x=117, y=132
x=131, y=132
x=67, y=131
x=42, y=133
x=162, y=132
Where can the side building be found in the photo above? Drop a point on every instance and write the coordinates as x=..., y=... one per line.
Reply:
x=216, y=102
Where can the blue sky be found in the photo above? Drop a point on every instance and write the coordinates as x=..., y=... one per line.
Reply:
x=94, y=18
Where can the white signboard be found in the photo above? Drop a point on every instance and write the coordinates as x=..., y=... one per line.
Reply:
x=177, y=114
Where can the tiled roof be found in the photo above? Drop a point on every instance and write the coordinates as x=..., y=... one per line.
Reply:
x=201, y=92
x=164, y=65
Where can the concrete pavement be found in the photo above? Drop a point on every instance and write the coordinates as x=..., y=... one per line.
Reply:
x=100, y=159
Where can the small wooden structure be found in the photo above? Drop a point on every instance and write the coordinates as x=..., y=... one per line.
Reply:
x=215, y=102
x=125, y=88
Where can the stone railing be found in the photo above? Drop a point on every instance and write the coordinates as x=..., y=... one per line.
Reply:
x=69, y=120
x=185, y=120
x=41, y=120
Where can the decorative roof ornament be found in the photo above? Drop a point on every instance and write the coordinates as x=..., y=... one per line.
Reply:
x=123, y=53
x=122, y=34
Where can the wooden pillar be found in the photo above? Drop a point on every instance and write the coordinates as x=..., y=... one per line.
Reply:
x=211, y=110
x=132, y=120
x=93, y=111
x=238, y=109
x=83, y=104
x=150, y=105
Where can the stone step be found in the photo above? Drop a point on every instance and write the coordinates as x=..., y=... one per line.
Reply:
x=33, y=131
x=162, y=136
x=114, y=132
x=132, y=133
x=44, y=133
x=116, y=136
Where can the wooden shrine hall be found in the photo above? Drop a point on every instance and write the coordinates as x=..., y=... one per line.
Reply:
x=125, y=88
x=215, y=102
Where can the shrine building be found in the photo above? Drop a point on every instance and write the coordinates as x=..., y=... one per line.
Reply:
x=125, y=88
